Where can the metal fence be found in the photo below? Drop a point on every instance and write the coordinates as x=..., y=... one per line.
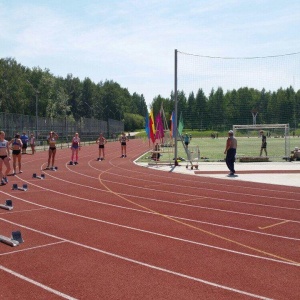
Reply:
x=87, y=128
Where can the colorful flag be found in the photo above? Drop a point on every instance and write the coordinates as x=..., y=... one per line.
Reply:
x=151, y=127
x=147, y=129
x=173, y=125
x=159, y=127
x=180, y=125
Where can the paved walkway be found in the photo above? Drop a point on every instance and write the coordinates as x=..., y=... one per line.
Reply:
x=280, y=173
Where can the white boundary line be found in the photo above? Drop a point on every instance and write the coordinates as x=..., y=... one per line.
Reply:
x=40, y=285
x=131, y=261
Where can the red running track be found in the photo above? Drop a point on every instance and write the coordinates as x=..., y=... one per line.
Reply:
x=115, y=230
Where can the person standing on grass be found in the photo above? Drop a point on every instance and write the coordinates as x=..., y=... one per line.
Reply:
x=4, y=158
x=16, y=145
x=123, y=139
x=32, y=143
x=101, y=141
x=75, y=147
x=52, y=148
x=230, y=151
x=263, y=143
x=186, y=140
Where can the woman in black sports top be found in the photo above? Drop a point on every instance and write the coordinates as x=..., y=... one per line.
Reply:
x=4, y=158
x=16, y=145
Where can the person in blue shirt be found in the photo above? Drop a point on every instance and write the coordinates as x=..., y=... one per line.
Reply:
x=24, y=139
x=186, y=140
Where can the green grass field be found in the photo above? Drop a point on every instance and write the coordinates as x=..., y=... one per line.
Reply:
x=213, y=149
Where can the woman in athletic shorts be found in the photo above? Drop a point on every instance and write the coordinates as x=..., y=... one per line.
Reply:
x=32, y=143
x=16, y=145
x=101, y=141
x=123, y=139
x=4, y=158
x=52, y=148
x=75, y=148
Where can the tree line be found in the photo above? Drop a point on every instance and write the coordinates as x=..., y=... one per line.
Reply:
x=21, y=88
x=220, y=110
x=29, y=91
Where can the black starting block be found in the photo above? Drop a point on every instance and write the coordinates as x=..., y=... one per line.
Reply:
x=7, y=205
x=24, y=188
x=15, y=240
x=17, y=236
x=39, y=177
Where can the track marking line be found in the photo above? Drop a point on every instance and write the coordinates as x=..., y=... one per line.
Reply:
x=40, y=285
x=193, y=199
x=273, y=225
x=197, y=228
x=33, y=248
x=141, y=263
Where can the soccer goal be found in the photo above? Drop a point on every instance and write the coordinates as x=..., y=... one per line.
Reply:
x=250, y=141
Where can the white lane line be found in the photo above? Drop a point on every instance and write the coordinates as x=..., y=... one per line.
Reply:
x=135, y=262
x=40, y=285
x=157, y=234
x=32, y=248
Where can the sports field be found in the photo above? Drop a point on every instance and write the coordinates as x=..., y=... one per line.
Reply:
x=212, y=149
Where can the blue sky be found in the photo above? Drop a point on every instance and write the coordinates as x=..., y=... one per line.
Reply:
x=133, y=42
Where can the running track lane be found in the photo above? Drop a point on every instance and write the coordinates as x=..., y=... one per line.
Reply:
x=101, y=230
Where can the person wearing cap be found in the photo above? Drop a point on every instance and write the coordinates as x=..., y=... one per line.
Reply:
x=295, y=155
x=263, y=143
x=230, y=151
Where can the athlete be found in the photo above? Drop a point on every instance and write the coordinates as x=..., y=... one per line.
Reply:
x=32, y=143
x=16, y=145
x=75, y=148
x=4, y=158
x=52, y=148
x=101, y=141
x=123, y=139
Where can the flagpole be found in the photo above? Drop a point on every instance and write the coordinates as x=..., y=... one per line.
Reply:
x=175, y=109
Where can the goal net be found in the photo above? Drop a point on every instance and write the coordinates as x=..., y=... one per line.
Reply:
x=250, y=141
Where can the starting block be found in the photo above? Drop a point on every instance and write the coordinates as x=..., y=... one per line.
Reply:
x=15, y=240
x=39, y=177
x=8, y=205
x=24, y=188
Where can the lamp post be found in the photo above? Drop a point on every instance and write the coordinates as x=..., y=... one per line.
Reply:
x=36, y=107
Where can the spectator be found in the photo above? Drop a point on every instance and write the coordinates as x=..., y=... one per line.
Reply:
x=186, y=140
x=263, y=143
x=295, y=155
x=156, y=153
x=24, y=139
x=230, y=151
x=32, y=143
